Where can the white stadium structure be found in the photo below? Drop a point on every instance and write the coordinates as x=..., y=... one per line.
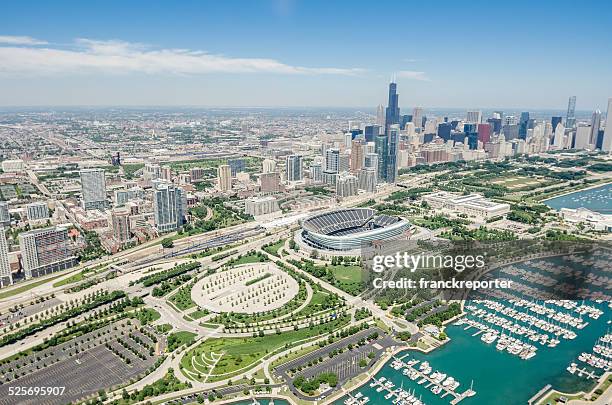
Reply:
x=349, y=229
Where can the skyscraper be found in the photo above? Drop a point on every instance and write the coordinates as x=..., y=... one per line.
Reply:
x=381, y=151
x=474, y=117
x=5, y=217
x=6, y=277
x=121, y=225
x=570, y=118
x=316, y=172
x=417, y=117
x=606, y=144
x=332, y=160
x=595, y=126
x=392, y=115
x=471, y=133
x=555, y=121
x=370, y=132
x=371, y=161
x=169, y=205
x=45, y=251
x=224, y=175
x=269, y=182
x=380, y=116
x=367, y=179
x=269, y=166
x=93, y=189
x=357, y=155
x=346, y=185
x=236, y=166
x=294, y=169
x=484, y=133
x=523, y=125
x=392, y=148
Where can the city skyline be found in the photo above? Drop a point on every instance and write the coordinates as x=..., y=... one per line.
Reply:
x=85, y=54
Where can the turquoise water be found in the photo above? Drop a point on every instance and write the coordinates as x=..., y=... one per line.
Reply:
x=596, y=199
x=499, y=377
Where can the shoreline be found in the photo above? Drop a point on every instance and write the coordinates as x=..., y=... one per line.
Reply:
x=594, y=186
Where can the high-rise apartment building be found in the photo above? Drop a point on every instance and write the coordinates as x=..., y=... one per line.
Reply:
x=196, y=174
x=5, y=217
x=120, y=219
x=37, y=211
x=45, y=251
x=357, y=155
x=224, y=175
x=316, y=172
x=346, y=185
x=93, y=189
x=6, y=278
x=332, y=160
x=606, y=144
x=269, y=166
x=236, y=166
x=269, y=182
x=294, y=168
x=169, y=207
x=256, y=206
x=367, y=179
x=371, y=160
x=381, y=151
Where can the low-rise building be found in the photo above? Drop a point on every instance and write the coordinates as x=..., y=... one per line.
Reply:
x=472, y=204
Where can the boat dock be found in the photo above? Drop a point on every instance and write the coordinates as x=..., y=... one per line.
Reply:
x=537, y=396
x=446, y=391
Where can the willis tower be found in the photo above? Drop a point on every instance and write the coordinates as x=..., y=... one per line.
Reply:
x=387, y=145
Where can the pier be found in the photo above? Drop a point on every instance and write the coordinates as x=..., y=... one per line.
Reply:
x=446, y=391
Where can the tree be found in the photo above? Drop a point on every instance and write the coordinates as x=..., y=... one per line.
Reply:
x=167, y=243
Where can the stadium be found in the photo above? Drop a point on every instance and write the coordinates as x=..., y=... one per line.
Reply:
x=349, y=229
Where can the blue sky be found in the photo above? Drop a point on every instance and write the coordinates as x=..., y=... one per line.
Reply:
x=475, y=54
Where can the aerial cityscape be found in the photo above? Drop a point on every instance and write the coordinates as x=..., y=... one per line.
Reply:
x=276, y=223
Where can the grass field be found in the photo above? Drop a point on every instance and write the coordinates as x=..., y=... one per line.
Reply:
x=177, y=339
x=273, y=249
x=27, y=287
x=227, y=356
x=347, y=274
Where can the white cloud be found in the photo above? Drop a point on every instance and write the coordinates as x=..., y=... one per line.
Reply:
x=410, y=74
x=123, y=57
x=20, y=40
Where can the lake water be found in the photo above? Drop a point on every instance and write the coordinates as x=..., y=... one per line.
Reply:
x=597, y=199
x=498, y=376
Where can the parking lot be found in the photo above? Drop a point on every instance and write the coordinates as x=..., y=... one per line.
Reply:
x=83, y=365
x=28, y=310
x=345, y=365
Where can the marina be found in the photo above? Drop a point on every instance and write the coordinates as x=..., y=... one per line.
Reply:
x=595, y=199
x=508, y=340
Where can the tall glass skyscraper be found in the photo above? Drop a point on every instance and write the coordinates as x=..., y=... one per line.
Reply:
x=392, y=115
x=523, y=125
x=392, y=148
x=570, y=119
